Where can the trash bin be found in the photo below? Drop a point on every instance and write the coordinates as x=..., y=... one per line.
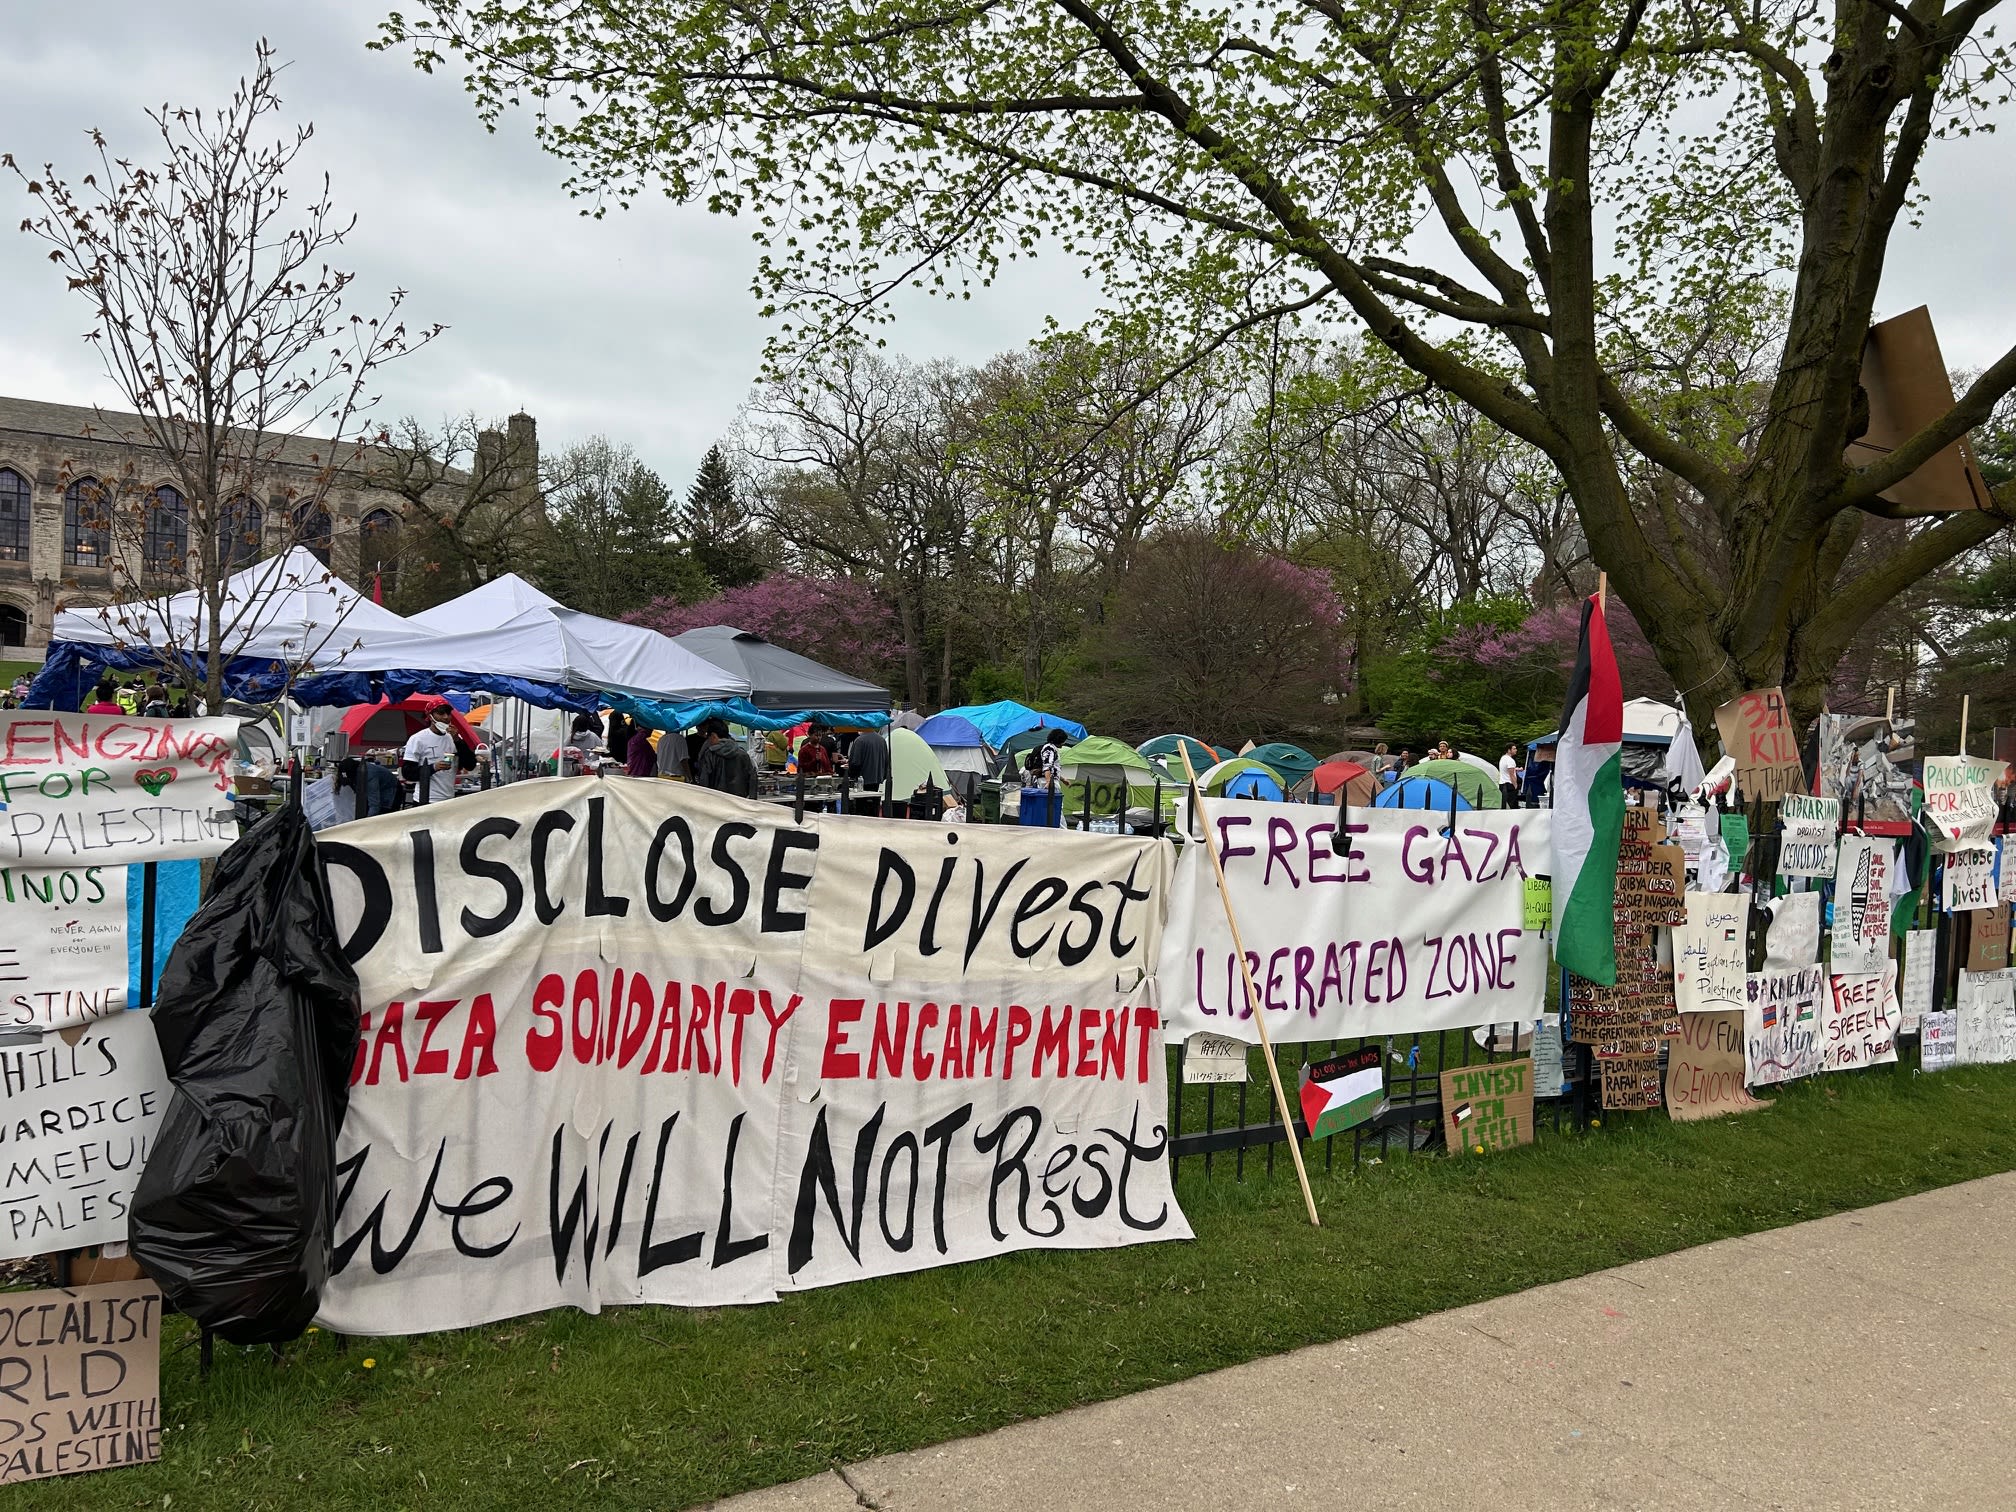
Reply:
x=1042, y=809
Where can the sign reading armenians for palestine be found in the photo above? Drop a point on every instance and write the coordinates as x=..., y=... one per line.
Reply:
x=1960, y=800
x=1781, y=1025
x=1757, y=734
x=631, y=1041
x=80, y=1380
x=106, y=790
x=1488, y=1107
x=78, y=1114
x=1704, y=1068
x=1409, y=930
x=1343, y=1091
x=1213, y=1058
x=63, y=957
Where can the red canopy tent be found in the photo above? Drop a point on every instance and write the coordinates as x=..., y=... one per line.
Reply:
x=392, y=724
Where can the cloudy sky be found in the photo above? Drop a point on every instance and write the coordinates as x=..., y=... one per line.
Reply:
x=640, y=326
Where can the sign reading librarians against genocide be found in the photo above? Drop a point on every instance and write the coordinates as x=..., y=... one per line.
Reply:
x=106, y=790
x=1704, y=1068
x=62, y=946
x=78, y=1113
x=1408, y=930
x=1806, y=848
x=603, y=1059
x=80, y=1380
x=1757, y=734
x=1487, y=1107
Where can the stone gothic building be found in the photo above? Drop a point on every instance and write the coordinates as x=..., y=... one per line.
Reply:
x=57, y=550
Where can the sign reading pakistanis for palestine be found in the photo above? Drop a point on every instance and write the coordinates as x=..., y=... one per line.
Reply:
x=108, y=790
x=1409, y=930
x=1960, y=800
x=634, y=1041
x=80, y=1380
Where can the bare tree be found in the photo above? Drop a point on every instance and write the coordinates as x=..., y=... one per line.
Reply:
x=224, y=328
x=476, y=499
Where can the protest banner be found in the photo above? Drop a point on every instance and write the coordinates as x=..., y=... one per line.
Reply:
x=1487, y=1107
x=1967, y=880
x=63, y=955
x=603, y=1061
x=1921, y=951
x=1792, y=938
x=1856, y=770
x=1960, y=800
x=1704, y=1068
x=1625, y=1024
x=1757, y=734
x=78, y=1115
x=1213, y=1058
x=2005, y=870
x=1781, y=1025
x=80, y=1380
x=1861, y=905
x=1858, y=1020
x=1806, y=846
x=1937, y=1041
x=108, y=790
x=1342, y=1091
x=1988, y=938
x=1984, y=1031
x=1709, y=964
x=1412, y=930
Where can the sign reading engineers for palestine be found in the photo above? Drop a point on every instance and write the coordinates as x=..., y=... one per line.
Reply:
x=109, y=790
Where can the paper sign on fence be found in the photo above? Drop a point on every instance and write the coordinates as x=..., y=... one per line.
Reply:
x=82, y=1380
x=1967, y=880
x=1861, y=905
x=1781, y=1025
x=63, y=957
x=106, y=790
x=1704, y=1068
x=1213, y=1058
x=1960, y=800
x=1920, y=954
x=1937, y=1043
x=1858, y=1024
x=1708, y=953
x=1757, y=734
x=1985, y=1030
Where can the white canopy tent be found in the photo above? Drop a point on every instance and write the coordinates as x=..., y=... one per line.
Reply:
x=496, y=602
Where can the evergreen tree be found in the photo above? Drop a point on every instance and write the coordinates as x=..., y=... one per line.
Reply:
x=612, y=545
x=717, y=527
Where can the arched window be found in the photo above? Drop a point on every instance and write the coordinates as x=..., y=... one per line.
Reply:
x=87, y=524
x=314, y=529
x=166, y=543
x=13, y=625
x=15, y=500
x=239, y=529
x=378, y=558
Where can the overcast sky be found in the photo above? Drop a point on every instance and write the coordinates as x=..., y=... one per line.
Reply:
x=641, y=325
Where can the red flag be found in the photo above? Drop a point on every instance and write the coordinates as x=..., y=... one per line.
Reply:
x=378, y=587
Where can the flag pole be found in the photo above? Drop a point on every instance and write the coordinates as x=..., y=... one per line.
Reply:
x=1253, y=1005
x=1965, y=699
x=1603, y=593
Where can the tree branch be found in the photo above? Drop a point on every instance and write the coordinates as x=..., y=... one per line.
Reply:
x=1854, y=601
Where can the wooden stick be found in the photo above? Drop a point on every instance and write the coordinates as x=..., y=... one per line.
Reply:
x=1890, y=704
x=1253, y=1004
x=1965, y=699
x=1603, y=593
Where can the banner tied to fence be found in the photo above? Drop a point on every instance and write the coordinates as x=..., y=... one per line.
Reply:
x=632, y=1041
x=107, y=790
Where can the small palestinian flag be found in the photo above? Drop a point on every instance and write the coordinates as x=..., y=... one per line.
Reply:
x=1341, y=1092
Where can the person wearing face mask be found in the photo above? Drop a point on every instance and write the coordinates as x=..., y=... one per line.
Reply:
x=430, y=755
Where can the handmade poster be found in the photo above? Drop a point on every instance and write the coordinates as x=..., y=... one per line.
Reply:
x=1690, y=831
x=1704, y=1068
x=1806, y=846
x=1539, y=905
x=1781, y=1025
x=108, y=790
x=76, y=1123
x=1936, y=1043
x=1631, y=1083
x=1624, y=1025
x=1214, y=1058
x=1921, y=948
x=1861, y=906
x=2005, y=870
x=80, y=1380
x=1859, y=1019
x=1342, y=1092
x=1988, y=938
x=1960, y=800
x=1550, y=1077
x=643, y=1042
x=1792, y=939
x=1985, y=1026
x=1735, y=831
x=62, y=946
x=1414, y=930
x=1758, y=736
x=1967, y=880
x=1709, y=953
x=1858, y=770
x=1487, y=1107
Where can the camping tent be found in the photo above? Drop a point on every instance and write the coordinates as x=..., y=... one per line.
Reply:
x=1480, y=790
x=959, y=748
x=1006, y=718
x=913, y=764
x=1242, y=777
x=1422, y=793
x=1168, y=749
x=389, y=723
x=1649, y=730
x=1290, y=763
x=779, y=679
x=1360, y=787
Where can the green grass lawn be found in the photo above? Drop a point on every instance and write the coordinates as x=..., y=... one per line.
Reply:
x=650, y=1407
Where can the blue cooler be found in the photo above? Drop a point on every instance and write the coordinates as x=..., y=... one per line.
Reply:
x=1044, y=810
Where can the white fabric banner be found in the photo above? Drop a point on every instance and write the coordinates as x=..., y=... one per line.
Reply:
x=76, y=1123
x=1985, y=1030
x=1709, y=953
x=62, y=946
x=1413, y=930
x=108, y=790
x=607, y=1059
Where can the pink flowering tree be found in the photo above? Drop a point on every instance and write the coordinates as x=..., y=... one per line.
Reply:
x=840, y=621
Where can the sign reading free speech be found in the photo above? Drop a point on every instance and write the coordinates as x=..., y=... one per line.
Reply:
x=106, y=790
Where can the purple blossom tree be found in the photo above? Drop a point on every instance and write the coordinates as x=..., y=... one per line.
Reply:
x=840, y=621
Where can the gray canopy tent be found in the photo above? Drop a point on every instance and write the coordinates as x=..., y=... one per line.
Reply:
x=780, y=679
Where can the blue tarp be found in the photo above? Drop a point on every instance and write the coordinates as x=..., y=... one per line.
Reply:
x=178, y=886
x=662, y=714
x=951, y=732
x=997, y=721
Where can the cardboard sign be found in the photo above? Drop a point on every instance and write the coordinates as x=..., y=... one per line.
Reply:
x=1213, y=1058
x=78, y=1115
x=1960, y=800
x=82, y=1374
x=1861, y=905
x=1988, y=939
x=1921, y=949
x=1758, y=736
x=1967, y=880
x=1704, y=1068
x=1781, y=1025
x=1938, y=1043
x=106, y=790
x=1487, y=1108
x=63, y=947
x=1708, y=954
x=1909, y=387
x=1631, y=1083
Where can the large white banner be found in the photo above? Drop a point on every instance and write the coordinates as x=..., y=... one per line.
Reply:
x=109, y=790
x=1417, y=925
x=633, y=1041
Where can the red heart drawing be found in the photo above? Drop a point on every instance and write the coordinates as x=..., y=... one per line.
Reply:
x=155, y=780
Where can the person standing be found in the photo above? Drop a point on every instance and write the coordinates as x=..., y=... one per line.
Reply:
x=1508, y=776
x=430, y=755
x=104, y=701
x=722, y=764
x=642, y=760
x=674, y=759
x=867, y=771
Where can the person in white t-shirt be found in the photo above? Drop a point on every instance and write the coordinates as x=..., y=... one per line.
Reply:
x=1508, y=776
x=432, y=749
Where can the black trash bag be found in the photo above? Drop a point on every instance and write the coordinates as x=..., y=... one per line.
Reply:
x=257, y=1018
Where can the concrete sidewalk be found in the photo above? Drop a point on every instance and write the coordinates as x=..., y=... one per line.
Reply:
x=1865, y=1360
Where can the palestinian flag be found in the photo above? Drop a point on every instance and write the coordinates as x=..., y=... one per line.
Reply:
x=1589, y=807
x=1341, y=1092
